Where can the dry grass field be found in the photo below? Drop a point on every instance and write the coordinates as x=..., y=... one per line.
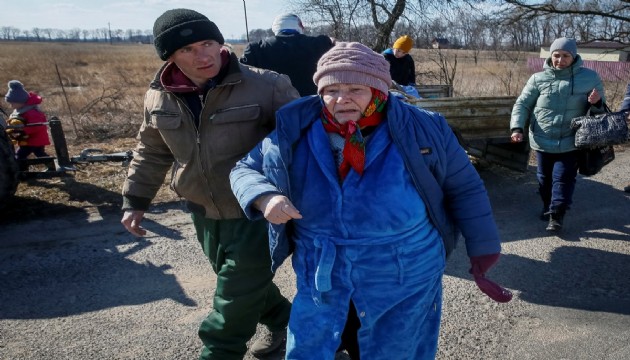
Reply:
x=97, y=92
x=97, y=89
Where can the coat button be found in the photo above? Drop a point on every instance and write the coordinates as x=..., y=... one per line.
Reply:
x=362, y=314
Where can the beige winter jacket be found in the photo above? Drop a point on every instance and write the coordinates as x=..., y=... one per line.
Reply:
x=236, y=115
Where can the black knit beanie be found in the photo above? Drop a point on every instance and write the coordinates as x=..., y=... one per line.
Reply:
x=180, y=27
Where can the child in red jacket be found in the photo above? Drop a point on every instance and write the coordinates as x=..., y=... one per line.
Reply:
x=32, y=138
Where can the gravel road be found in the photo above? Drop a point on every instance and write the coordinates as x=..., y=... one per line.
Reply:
x=80, y=287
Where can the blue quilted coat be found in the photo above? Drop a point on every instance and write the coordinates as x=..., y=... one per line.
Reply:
x=380, y=239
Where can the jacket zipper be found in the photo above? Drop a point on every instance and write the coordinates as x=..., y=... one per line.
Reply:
x=198, y=136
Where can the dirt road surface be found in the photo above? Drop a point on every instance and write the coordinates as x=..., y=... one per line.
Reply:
x=79, y=287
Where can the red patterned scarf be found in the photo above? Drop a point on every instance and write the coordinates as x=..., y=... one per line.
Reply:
x=354, y=147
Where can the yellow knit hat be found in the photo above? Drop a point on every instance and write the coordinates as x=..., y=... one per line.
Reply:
x=404, y=43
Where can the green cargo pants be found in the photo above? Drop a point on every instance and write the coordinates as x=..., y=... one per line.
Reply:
x=238, y=251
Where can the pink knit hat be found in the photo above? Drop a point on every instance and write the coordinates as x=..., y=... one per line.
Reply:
x=352, y=63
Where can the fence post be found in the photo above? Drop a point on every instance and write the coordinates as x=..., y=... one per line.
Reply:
x=59, y=140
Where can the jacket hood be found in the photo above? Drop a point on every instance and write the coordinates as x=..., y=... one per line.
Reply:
x=170, y=78
x=33, y=99
x=577, y=63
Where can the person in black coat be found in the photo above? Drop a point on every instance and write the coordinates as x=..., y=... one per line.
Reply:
x=289, y=52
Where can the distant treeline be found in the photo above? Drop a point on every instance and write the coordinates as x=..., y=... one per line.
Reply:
x=9, y=33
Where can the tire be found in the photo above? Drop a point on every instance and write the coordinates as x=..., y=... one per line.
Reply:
x=8, y=169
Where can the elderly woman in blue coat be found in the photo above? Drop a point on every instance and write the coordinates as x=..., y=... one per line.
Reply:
x=370, y=194
x=548, y=102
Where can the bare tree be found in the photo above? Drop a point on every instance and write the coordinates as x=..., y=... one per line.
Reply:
x=101, y=33
x=37, y=32
x=336, y=15
x=349, y=20
x=48, y=32
x=447, y=63
x=74, y=34
x=14, y=32
x=118, y=34
x=384, y=16
x=578, y=14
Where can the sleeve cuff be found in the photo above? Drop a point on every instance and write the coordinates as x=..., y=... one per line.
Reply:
x=131, y=202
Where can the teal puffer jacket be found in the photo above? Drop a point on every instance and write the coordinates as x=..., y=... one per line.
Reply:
x=548, y=102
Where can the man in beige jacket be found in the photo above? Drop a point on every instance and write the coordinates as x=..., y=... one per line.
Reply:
x=202, y=113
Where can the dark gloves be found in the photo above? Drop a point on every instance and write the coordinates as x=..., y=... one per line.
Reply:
x=479, y=266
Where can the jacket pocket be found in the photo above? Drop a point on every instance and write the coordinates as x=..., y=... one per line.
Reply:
x=165, y=120
x=236, y=130
x=180, y=140
x=236, y=114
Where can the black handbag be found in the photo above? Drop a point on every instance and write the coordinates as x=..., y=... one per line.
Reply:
x=609, y=128
x=591, y=161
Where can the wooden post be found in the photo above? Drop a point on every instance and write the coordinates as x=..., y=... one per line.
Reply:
x=59, y=140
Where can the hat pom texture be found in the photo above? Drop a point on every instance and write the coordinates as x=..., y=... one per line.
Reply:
x=16, y=93
x=352, y=63
x=181, y=27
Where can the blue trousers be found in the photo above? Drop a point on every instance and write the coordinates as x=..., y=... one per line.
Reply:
x=556, y=179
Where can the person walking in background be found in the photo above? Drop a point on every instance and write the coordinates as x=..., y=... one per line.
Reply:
x=204, y=111
x=289, y=52
x=359, y=186
x=625, y=106
x=401, y=66
x=548, y=102
x=32, y=137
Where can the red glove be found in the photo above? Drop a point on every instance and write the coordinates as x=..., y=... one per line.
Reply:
x=479, y=266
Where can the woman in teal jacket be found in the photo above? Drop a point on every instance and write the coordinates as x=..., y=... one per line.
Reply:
x=370, y=195
x=550, y=99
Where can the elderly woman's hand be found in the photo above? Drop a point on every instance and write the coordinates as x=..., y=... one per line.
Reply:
x=277, y=209
x=594, y=97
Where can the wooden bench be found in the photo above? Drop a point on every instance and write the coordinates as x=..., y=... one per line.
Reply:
x=482, y=125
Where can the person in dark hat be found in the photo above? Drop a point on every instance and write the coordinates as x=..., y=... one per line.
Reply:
x=204, y=111
x=289, y=52
x=369, y=195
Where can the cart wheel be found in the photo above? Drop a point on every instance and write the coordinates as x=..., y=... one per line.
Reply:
x=8, y=169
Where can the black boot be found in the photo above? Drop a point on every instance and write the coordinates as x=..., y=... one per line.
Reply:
x=555, y=221
x=544, y=214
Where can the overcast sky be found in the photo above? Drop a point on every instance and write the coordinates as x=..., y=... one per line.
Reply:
x=135, y=14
